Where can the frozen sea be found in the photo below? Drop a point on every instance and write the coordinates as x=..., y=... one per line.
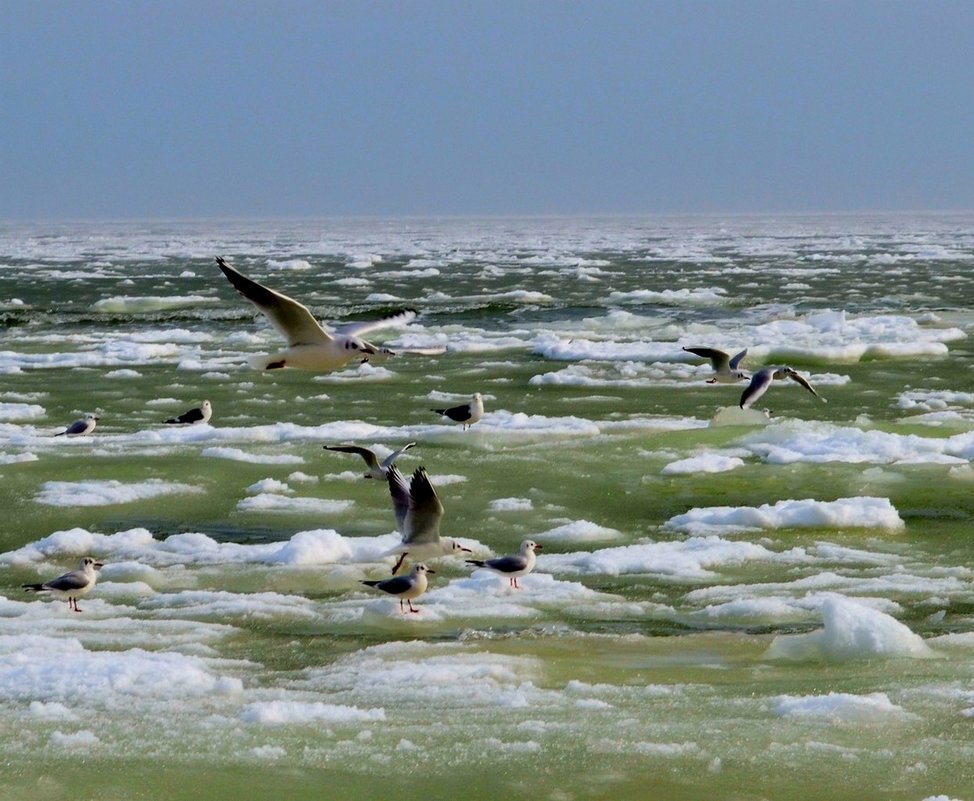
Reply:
x=772, y=605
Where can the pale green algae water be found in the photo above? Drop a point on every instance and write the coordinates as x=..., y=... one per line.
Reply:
x=723, y=612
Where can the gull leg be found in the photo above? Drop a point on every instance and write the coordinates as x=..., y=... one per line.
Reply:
x=401, y=610
x=416, y=611
x=402, y=559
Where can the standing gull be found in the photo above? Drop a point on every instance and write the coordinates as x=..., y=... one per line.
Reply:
x=71, y=586
x=725, y=367
x=762, y=379
x=513, y=567
x=201, y=414
x=80, y=427
x=405, y=588
x=377, y=469
x=418, y=514
x=466, y=413
x=309, y=346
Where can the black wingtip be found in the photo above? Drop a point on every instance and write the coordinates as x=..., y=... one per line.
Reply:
x=477, y=562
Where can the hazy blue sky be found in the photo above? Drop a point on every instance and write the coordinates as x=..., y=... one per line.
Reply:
x=203, y=108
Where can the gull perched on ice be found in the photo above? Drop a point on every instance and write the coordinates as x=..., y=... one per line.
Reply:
x=762, y=379
x=405, y=588
x=418, y=514
x=80, y=427
x=201, y=414
x=71, y=586
x=466, y=413
x=725, y=367
x=513, y=567
x=309, y=346
x=377, y=469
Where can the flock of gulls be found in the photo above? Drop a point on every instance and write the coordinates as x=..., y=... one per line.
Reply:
x=417, y=508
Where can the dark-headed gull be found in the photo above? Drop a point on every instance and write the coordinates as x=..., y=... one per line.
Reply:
x=377, y=469
x=405, y=588
x=514, y=566
x=762, y=379
x=725, y=367
x=80, y=427
x=418, y=514
x=309, y=346
x=201, y=414
x=466, y=413
x=71, y=586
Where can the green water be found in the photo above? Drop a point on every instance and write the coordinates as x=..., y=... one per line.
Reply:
x=624, y=682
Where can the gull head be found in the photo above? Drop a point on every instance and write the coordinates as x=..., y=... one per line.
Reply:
x=530, y=545
x=88, y=563
x=419, y=569
x=455, y=547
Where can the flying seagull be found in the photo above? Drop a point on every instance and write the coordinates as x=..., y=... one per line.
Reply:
x=762, y=379
x=513, y=567
x=405, y=588
x=201, y=414
x=309, y=346
x=80, y=427
x=725, y=367
x=418, y=514
x=466, y=413
x=71, y=586
x=377, y=469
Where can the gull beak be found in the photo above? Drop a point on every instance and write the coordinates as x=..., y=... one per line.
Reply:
x=430, y=571
x=538, y=547
x=467, y=550
x=99, y=565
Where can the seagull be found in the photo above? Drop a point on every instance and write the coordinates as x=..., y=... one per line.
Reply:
x=466, y=413
x=80, y=427
x=201, y=414
x=762, y=379
x=405, y=587
x=309, y=346
x=418, y=514
x=725, y=368
x=377, y=469
x=514, y=567
x=73, y=585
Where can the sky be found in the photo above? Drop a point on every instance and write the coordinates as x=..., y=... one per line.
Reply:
x=201, y=108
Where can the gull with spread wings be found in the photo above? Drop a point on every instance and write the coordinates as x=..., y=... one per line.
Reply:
x=418, y=514
x=309, y=345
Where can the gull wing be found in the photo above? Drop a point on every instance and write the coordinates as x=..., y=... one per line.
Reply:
x=395, y=586
x=401, y=317
x=507, y=564
x=365, y=453
x=400, y=498
x=760, y=382
x=76, y=427
x=718, y=359
x=422, y=524
x=391, y=458
x=75, y=580
x=800, y=379
x=292, y=319
x=738, y=359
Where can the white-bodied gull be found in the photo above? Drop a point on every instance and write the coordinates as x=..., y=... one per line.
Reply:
x=418, y=514
x=200, y=414
x=309, y=346
x=80, y=427
x=466, y=413
x=725, y=367
x=71, y=586
x=514, y=566
x=762, y=379
x=377, y=469
x=405, y=588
